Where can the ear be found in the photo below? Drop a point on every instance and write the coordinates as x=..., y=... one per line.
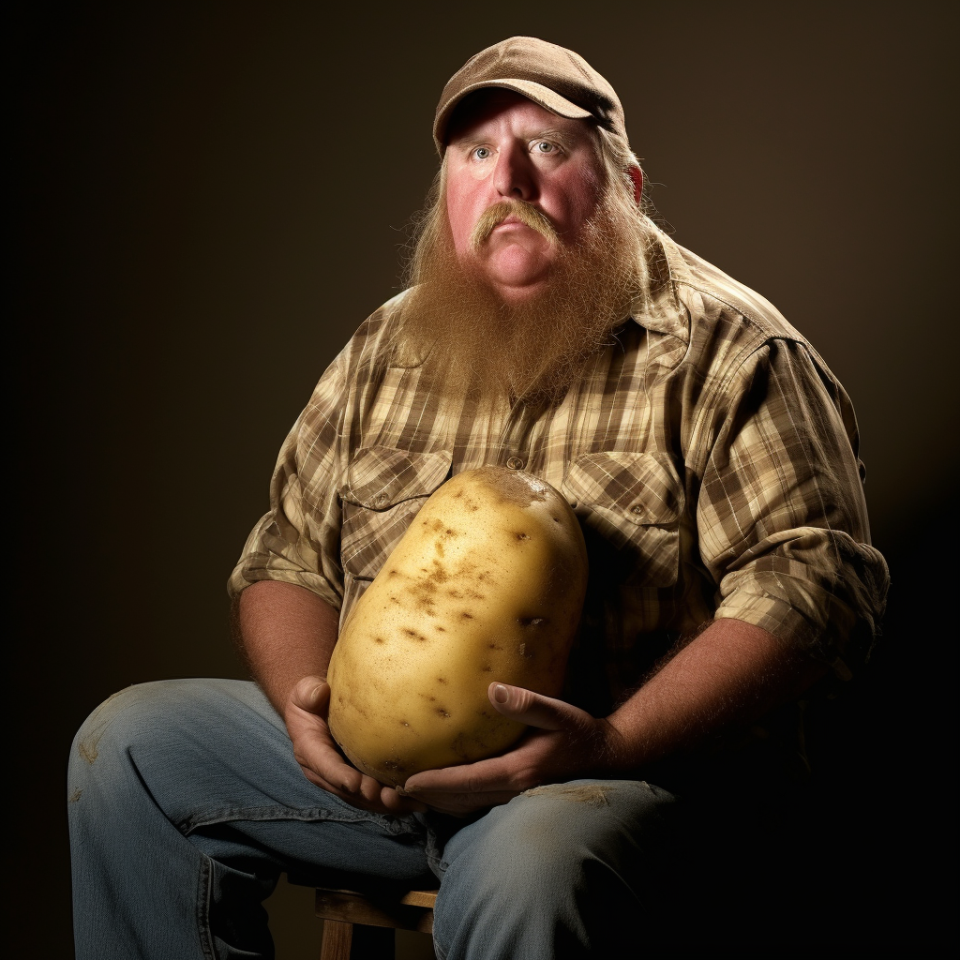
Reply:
x=636, y=175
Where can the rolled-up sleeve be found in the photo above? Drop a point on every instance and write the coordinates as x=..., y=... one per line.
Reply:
x=781, y=515
x=298, y=540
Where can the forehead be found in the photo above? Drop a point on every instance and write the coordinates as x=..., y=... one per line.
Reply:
x=495, y=106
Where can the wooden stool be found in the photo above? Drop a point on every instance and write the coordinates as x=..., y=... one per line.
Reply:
x=341, y=909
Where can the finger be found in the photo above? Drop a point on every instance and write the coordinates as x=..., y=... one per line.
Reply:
x=370, y=796
x=534, y=709
x=327, y=763
x=311, y=694
x=395, y=802
x=484, y=776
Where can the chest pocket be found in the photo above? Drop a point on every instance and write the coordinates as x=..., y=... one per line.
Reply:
x=383, y=491
x=629, y=505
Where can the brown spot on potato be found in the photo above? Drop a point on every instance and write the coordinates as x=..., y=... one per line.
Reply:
x=413, y=635
x=379, y=640
x=442, y=713
x=442, y=680
x=532, y=621
x=494, y=646
x=466, y=616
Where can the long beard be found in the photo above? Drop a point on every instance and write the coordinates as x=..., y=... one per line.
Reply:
x=477, y=348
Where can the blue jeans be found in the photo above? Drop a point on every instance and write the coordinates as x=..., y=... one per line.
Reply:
x=186, y=804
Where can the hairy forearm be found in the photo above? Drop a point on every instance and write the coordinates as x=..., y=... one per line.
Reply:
x=286, y=632
x=730, y=675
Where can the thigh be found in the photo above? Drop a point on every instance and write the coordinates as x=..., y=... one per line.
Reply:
x=215, y=758
x=557, y=872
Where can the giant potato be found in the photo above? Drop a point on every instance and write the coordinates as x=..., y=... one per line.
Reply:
x=486, y=584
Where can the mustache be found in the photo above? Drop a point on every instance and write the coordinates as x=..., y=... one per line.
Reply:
x=525, y=212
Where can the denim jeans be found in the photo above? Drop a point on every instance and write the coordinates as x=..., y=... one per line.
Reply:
x=186, y=804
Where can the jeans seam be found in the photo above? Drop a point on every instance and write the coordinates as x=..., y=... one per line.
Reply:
x=204, y=893
x=390, y=825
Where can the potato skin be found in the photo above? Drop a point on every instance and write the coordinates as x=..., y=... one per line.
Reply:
x=486, y=584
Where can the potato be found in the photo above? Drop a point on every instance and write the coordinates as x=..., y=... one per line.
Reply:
x=486, y=584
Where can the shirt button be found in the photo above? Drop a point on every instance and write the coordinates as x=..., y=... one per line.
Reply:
x=380, y=500
x=515, y=463
x=637, y=510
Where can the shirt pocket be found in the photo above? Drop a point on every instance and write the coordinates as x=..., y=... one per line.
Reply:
x=630, y=506
x=383, y=491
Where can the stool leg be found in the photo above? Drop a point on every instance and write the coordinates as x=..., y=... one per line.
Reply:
x=337, y=938
x=340, y=938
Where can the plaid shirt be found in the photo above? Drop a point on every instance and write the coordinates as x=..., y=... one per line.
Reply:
x=709, y=453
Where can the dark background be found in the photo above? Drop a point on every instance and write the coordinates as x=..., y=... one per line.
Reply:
x=208, y=199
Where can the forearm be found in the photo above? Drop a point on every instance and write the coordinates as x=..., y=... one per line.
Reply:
x=730, y=675
x=286, y=633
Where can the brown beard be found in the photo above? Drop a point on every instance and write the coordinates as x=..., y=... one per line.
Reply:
x=476, y=347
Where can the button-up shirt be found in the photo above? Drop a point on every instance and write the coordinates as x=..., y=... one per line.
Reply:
x=708, y=451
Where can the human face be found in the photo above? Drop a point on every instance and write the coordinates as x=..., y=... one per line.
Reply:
x=509, y=148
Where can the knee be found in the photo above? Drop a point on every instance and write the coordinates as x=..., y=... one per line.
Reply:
x=554, y=830
x=140, y=715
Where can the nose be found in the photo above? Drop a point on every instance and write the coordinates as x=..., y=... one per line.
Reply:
x=515, y=178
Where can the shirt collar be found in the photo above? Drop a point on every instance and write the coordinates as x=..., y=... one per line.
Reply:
x=664, y=312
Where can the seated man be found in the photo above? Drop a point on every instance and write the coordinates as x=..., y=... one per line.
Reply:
x=711, y=458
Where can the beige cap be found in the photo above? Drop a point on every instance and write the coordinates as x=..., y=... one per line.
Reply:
x=558, y=79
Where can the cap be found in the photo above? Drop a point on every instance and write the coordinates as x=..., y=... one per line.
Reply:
x=558, y=79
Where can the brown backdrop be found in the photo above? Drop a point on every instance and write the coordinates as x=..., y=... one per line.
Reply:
x=210, y=198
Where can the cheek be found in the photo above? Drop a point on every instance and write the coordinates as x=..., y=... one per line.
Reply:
x=460, y=223
x=582, y=201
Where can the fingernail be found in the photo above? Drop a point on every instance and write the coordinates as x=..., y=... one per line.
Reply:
x=500, y=693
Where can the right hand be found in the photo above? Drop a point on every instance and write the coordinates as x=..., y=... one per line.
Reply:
x=305, y=715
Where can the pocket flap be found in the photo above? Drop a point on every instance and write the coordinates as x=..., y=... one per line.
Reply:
x=643, y=487
x=379, y=477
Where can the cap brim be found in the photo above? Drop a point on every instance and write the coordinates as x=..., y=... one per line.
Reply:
x=537, y=92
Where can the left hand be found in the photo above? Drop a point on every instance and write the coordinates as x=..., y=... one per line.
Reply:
x=564, y=743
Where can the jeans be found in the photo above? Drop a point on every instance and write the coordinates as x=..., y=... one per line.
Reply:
x=186, y=804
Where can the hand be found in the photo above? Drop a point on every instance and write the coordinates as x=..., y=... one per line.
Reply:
x=565, y=743
x=321, y=761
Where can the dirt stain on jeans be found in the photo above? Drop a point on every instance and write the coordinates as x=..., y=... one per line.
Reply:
x=588, y=793
x=75, y=796
x=88, y=746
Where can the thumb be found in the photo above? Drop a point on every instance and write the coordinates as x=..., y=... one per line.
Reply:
x=310, y=694
x=534, y=709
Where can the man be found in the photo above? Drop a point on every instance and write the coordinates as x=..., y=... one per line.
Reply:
x=711, y=458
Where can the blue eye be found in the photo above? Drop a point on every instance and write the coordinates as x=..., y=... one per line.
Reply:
x=481, y=153
x=544, y=146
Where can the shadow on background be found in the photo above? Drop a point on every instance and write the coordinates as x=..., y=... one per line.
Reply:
x=210, y=199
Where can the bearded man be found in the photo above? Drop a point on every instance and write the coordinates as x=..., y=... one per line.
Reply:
x=711, y=458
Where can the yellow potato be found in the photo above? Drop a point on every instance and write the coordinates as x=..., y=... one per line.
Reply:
x=486, y=584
